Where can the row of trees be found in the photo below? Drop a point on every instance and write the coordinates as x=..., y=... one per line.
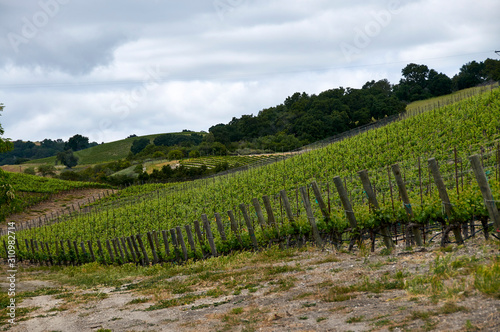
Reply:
x=25, y=151
x=419, y=82
x=303, y=118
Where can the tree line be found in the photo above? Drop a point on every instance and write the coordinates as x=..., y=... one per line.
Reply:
x=302, y=119
x=23, y=151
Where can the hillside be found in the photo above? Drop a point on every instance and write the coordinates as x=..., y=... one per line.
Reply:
x=265, y=268
x=470, y=126
x=102, y=153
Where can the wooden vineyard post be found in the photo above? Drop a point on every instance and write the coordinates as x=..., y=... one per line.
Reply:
x=489, y=200
x=140, y=258
x=372, y=199
x=99, y=249
x=448, y=209
x=234, y=226
x=82, y=246
x=33, y=250
x=120, y=250
x=48, y=253
x=180, y=239
x=270, y=214
x=321, y=202
x=157, y=242
x=220, y=227
x=108, y=246
x=190, y=238
x=143, y=249
x=117, y=254
x=325, y=210
x=125, y=250
x=199, y=235
x=76, y=251
x=260, y=215
x=248, y=222
x=174, y=243
x=165, y=242
x=310, y=216
x=288, y=208
x=344, y=198
x=210, y=236
x=406, y=202
x=152, y=246
x=89, y=244
x=131, y=247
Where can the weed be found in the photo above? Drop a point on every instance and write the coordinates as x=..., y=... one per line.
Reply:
x=355, y=319
x=139, y=300
x=487, y=279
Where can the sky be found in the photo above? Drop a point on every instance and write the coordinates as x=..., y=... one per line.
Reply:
x=110, y=69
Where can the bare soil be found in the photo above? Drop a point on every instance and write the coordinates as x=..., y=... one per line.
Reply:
x=305, y=305
x=61, y=203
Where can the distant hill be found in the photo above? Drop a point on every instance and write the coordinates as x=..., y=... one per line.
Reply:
x=103, y=153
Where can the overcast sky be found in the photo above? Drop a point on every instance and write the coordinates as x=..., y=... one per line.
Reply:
x=108, y=69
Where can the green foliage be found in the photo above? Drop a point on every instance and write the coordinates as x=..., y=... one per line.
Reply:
x=487, y=279
x=175, y=155
x=466, y=126
x=30, y=171
x=304, y=118
x=138, y=145
x=77, y=143
x=45, y=170
x=67, y=158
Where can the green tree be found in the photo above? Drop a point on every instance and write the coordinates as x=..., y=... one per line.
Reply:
x=470, y=75
x=77, y=143
x=46, y=170
x=139, y=144
x=67, y=158
x=175, y=155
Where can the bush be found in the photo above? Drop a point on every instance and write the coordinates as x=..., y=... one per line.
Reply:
x=47, y=170
x=30, y=171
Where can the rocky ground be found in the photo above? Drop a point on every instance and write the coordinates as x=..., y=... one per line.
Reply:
x=307, y=289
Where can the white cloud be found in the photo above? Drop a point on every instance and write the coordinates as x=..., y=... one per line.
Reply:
x=213, y=63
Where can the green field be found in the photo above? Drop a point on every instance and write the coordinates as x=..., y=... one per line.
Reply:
x=450, y=134
x=103, y=153
x=31, y=189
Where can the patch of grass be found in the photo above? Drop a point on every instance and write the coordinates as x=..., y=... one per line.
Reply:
x=469, y=327
x=309, y=305
x=320, y=319
x=42, y=291
x=451, y=308
x=236, y=311
x=139, y=300
x=245, y=318
x=330, y=259
x=186, y=299
x=273, y=270
x=339, y=294
x=487, y=279
x=216, y=292
x=282, y=285
x=383, y=322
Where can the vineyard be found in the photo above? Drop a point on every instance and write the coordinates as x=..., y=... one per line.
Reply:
x=314, y=196
x=32, y=189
